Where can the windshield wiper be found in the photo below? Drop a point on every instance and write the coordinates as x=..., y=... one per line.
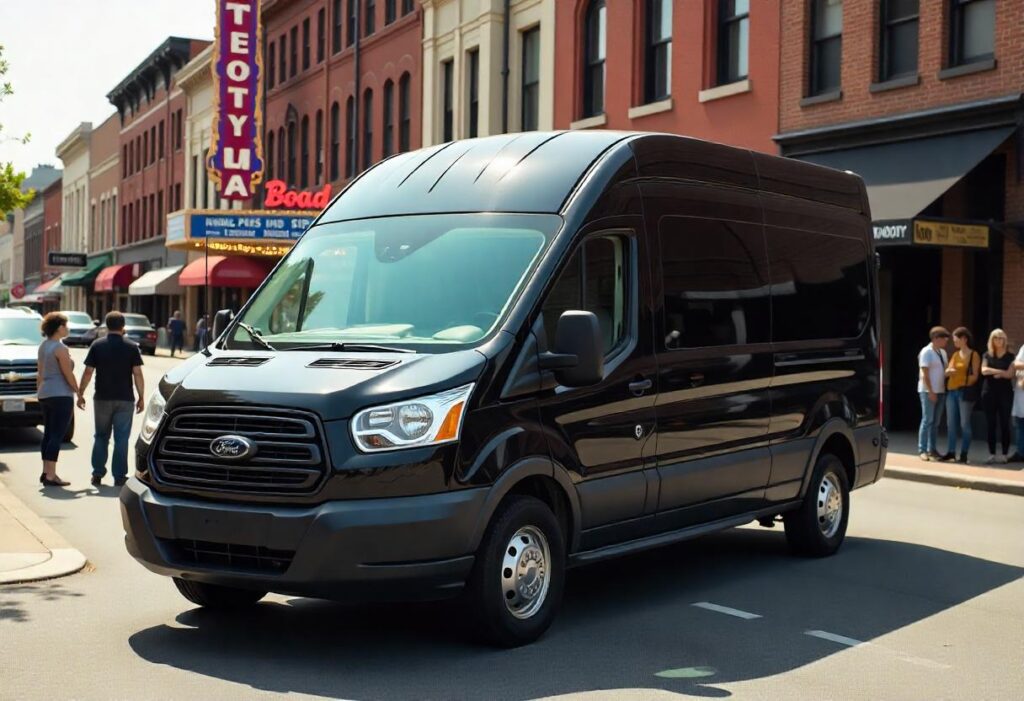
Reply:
x=255, y=335
x=354, y=347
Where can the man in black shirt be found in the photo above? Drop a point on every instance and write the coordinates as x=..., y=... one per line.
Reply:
x=116, y=361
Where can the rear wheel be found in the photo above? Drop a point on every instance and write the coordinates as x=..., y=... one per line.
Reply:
x=818, y=527
x=519, y=574
x=215, y=596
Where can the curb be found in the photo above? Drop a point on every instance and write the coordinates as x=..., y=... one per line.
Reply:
x=950, y=480
x=63, y=559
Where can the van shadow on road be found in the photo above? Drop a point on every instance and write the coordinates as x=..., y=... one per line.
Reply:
x=621, y=623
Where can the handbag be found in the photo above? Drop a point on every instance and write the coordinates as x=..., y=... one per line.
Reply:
x=972, y=393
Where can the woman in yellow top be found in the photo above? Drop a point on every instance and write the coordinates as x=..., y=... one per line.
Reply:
x=962, y=387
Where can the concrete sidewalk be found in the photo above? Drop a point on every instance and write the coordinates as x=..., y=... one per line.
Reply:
x=903, y=462
x=30, y=550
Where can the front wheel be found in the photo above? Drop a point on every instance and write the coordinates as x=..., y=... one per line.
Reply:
x=519, y=574
x=818, y=527
x=215, y=596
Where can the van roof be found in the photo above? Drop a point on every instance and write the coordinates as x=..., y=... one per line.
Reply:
x=536, y=172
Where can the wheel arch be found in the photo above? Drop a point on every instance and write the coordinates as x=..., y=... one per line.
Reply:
x=835, y=437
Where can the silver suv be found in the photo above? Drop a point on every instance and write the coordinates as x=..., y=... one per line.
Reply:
x=19, y=347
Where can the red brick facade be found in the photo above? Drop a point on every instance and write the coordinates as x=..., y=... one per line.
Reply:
x=53, y=198
x=311, y=98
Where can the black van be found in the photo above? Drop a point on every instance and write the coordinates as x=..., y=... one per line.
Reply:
x=492, y=360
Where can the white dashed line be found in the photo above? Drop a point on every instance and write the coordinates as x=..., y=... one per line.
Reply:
x=745, y=615
x=841, y=639
x=853, y=642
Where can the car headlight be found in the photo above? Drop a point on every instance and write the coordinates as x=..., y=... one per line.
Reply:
x=414, y=423
x=153, y=417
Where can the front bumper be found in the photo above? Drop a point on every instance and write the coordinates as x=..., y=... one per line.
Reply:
x=371, y=549
x=32, y=416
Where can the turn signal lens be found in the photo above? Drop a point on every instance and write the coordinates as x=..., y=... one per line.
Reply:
x=430, y=420
x=450, y=426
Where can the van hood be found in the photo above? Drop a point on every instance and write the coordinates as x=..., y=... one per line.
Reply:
x=303, y=380
x=13, y=351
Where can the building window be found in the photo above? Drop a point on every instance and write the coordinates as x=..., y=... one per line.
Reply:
x=733, y=40
x=282, y=45
x=272, y=68
x=336, y=27
x=448, y=108
x=898, y=34
x=593, y=61
x=404, y=115
x=473, y=60
x=408, y=6
x=152, y=144
x=124, y=161
x=179, y=131
x=270, y=161
x=305, y=44
x=972, y=31
x=335, y=141
x=319, y=153
x=350, y=137
x=304, y=164
x=294, y=63
x=143, y=218
x=177, y=196
x=658, y=51
x=388, y=143
x=530, y=107
x=321, y=34
x=160, y=134
x=160, y=210
x=367, y=128
x=370, y=21
x=280, y=154
x=138, y=153
x=826, y=45
x=292, y=155
x=145, y=148
x=351, y=22
x=390, y=10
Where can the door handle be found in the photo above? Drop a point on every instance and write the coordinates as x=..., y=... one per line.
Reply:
x=638, y=387
x=696, y=379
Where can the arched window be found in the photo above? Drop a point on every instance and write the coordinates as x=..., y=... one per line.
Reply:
x=594, y=30
x=304, y=166
x=367, y=128
x=270, y=155
x=280, y=154
x=404, y=117
x=335, y=141
x=318, y=154
x=292, y=155
x=350, y=137
x=388, y=143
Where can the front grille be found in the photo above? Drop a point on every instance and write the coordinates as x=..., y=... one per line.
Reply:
x=24, y=385
x=251, y=558
x=289, y=456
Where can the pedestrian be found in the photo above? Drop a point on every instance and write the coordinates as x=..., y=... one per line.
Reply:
x=56, y=388
x=116, y=361
x=962, y=375
x=997, y=394
x=1018, y=403
x=931, y=388
x=176, y=329
x=201, y=333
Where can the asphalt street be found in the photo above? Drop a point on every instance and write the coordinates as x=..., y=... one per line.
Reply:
x=924, y=601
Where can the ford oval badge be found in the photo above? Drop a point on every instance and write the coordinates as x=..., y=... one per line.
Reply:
x=232, y=447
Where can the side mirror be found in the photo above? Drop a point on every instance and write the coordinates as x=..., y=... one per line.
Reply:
x=95, y=322
x=578, y=357
x=221, y=320
x=152, y=326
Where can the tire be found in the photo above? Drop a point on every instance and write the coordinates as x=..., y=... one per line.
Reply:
x=816, y=529
x=214, y=596
x=521, y=618
x=69, y=435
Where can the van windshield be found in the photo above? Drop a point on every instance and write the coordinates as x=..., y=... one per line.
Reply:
x=420, y=282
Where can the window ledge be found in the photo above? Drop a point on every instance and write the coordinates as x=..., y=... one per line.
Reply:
x=590, y=122
x=650, y=108
x=728, y=90
x=831, y=96
x=896, y=83
x=967, y=69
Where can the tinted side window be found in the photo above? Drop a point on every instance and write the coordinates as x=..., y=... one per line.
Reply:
x=819, y=285
x=716, y=283
x=593, y=281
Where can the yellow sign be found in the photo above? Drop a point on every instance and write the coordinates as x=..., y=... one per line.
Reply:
x=941, y=233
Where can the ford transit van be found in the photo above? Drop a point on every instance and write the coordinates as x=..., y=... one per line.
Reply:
x=493, y=360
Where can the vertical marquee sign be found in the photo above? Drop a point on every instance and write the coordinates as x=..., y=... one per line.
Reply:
x=235, y=159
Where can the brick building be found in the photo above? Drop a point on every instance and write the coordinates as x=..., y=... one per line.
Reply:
x=342, y=87
x=923, y=100
x=708, y=69
x=151, y=108
x=74, y=151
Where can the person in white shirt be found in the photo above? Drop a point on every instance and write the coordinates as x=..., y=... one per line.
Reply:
x=931, y=387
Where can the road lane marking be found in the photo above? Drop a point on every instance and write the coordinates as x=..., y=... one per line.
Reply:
x=841, y=639
x=745, y=615
x=853, y=642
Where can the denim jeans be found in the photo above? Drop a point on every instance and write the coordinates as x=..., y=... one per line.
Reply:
x=117, y=416
x=931, y=415
x=958, y=421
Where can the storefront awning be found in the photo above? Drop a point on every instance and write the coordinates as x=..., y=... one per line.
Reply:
x=224, y=271
x=905, y=177
x=163, y=281
x=114, y=277
x=87, y=275
x=50, y=288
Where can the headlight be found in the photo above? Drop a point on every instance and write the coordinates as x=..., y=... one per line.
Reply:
x=153, y=416
x=423, y=421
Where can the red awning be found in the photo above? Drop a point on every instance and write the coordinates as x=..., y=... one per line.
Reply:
x=114, y=277
x=45, y=286
x=225, y=271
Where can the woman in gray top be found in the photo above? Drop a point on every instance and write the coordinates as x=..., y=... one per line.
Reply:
x=56, y=388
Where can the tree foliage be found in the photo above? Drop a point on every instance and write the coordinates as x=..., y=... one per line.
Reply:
x=11, y=196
